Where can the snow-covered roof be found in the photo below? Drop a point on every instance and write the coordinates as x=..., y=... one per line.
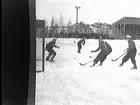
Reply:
x=40, y=23
x=80, y=26
x=128, y=20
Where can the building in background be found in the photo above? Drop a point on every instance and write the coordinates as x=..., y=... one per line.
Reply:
x=104, y=29
x=80, y=28
x=127, y=25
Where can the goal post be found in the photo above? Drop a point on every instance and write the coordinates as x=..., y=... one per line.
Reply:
x=40, y=45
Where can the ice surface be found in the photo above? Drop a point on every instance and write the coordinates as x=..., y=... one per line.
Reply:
x=65, y=82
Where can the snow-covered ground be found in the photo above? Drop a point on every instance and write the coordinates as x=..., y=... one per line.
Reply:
x=65, y=82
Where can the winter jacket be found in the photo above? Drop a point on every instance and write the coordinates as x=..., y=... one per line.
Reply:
x=131, y=45
x=104, y=47
x=51, y=44
x=82, y=41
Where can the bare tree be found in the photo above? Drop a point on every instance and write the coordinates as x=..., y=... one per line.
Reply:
x=46, y=22
x=52, y=25
x=52, y=22
x=46, y=26
x=61, y=20
x=69, y=23
x=56, y=25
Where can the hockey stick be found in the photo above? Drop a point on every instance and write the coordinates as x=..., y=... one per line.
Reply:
x=85, y=63
x=118, y=57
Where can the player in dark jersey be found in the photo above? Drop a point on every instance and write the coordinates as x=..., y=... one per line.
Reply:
x=131, y=52
x=49, y=48
x=79, y=44
x=105, y=51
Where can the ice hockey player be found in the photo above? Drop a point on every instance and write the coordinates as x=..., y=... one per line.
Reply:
x=105, y=50
x=49, y=48
x=131, y=52
x=79, y=44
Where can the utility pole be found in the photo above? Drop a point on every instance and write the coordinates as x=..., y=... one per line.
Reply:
x=77, y=7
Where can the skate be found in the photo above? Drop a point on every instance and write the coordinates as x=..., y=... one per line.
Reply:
x=51, y=60
x=47, y=59
x=134, y=68
x=92, y=65
x=121, y=65
x=79, y=52
x=100, y=65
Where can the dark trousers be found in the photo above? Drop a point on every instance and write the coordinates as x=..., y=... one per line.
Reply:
x=51, y=54
x=131, y=54
x=79, y=47
x=101, y=57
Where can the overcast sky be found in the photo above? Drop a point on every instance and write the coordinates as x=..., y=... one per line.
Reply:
x=91, y=11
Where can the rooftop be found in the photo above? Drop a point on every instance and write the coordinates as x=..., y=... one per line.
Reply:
x=128, y=20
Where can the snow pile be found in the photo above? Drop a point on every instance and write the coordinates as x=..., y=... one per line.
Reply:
x=65, y=82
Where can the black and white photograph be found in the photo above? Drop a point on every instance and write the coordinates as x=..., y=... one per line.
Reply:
x=87, y=52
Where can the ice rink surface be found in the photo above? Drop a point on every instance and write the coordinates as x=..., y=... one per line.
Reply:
x=65, y=82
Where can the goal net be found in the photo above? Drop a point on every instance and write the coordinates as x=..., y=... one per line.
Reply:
x=38, y=53
x=39, y=45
